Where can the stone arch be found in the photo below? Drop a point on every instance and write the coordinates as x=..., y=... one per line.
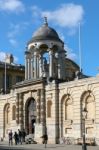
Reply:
x=66, y=114
x=13, y=112
x=43, y=47
x=49, y=108
x=88, y=102
x=6, y=118
x=66, y=106
x=30, y=115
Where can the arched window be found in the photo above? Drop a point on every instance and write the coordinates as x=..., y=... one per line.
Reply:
x=49, y=106
x=90, y=105
x=68, y=109
x=13, y=112
x=7, y=114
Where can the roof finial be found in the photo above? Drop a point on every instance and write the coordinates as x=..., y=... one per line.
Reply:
x=45, y=21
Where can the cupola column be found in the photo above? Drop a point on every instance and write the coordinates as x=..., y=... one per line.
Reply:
x=35, y=65
x=40, y=65
x=50, y=63
x=31, y=68
x=26, y=65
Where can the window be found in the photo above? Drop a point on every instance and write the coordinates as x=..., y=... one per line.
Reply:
x=7, y=114
x=90, y=104
x=49, y=105
x=68, y=109
x=14, y=112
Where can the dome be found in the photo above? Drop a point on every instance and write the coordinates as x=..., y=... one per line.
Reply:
x=45, y=33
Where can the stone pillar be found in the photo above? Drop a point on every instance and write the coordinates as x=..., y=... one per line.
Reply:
x=21, y=110
x=17, y=109
x=43, y=110
x=35, y=66
x=40, y=66
x=38, y=107
x=31, y=68
x=26, y=68
x=50, y=63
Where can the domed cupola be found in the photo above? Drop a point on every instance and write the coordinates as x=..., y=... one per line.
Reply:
x=45, y=33
x=45, y=55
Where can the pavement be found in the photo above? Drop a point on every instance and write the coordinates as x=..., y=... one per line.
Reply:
x=42, y=146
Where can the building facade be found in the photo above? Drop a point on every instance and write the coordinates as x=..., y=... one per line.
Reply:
x=53, y=94
x=10, y=74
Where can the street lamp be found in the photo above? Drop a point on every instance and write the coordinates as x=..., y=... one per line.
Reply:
x=84, y=113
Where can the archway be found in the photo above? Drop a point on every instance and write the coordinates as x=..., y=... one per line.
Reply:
x=66, y=115
x=88, y=102
x=30, y=115
x=6, y=119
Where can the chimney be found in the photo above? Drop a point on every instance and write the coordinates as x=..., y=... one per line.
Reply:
x=9, y=58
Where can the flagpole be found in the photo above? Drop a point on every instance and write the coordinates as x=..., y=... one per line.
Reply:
x=5, y=75
x=80, y=61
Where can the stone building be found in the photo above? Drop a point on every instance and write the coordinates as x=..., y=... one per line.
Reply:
x=10, y=74
x=53, y=94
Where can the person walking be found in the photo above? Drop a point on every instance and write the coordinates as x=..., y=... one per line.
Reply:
x=23, y=135
x=20, y=136
x=16, y=138
x=45, y=139
x=10, y=138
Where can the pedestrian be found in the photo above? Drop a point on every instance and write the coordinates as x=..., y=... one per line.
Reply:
x=20, y=136
x=45, y=139
x=10, y=138
x=23, y=135
x=16, y=138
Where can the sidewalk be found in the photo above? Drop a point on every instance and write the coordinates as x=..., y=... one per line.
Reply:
x=48, y=146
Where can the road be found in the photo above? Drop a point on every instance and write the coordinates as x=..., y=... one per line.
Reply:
x=5, y=146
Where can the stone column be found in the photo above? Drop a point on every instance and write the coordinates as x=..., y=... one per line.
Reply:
x=35, y=66
x=26, y=68
x=50, y=63
x=17, y=109
x=21, y=110
x=38, y=106
x=40, y=66
x=59, y=66
x=43, y=110
x=31, y=68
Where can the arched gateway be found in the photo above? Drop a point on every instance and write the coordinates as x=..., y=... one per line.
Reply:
x=30, y=115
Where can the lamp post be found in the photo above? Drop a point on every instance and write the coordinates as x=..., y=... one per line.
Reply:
x=84, y=113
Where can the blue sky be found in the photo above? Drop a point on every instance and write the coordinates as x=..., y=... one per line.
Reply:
x=20, y=18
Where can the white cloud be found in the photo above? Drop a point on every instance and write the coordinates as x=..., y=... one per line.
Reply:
x=68, y=15
x=11, y=5
x=3, y=56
